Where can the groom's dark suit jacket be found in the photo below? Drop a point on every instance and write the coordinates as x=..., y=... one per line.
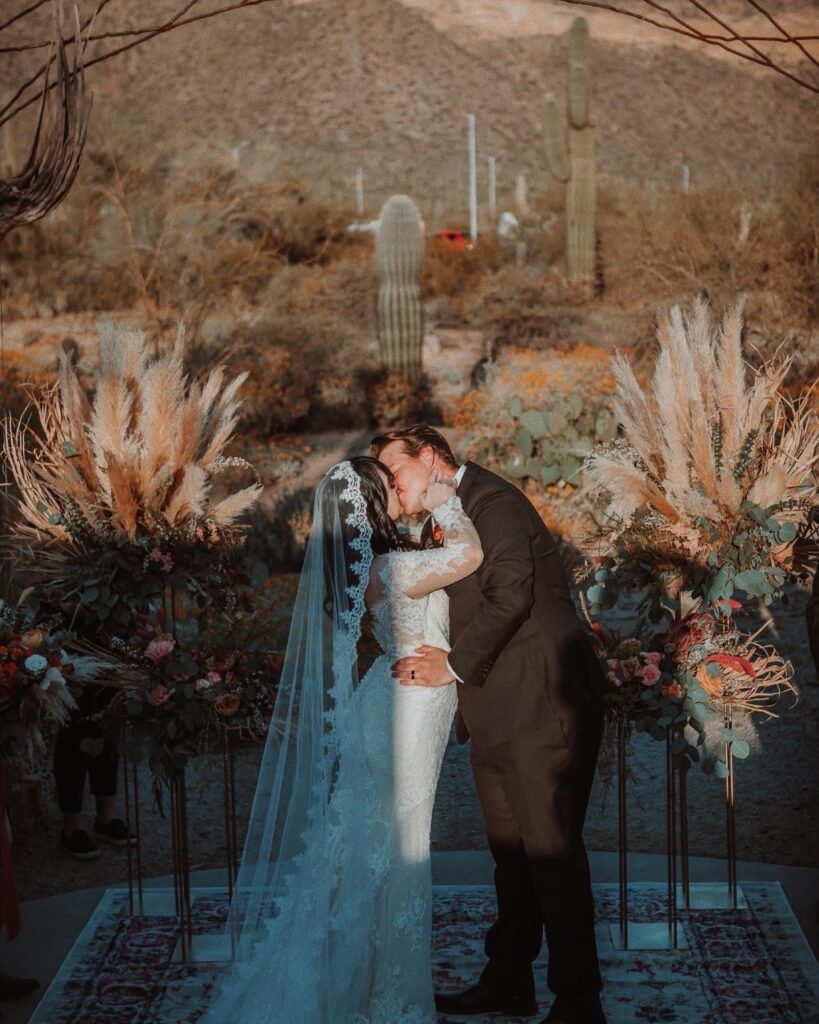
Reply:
x=518, y=643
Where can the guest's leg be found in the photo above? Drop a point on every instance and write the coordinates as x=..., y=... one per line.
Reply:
x=102, y=778
x=70, y=768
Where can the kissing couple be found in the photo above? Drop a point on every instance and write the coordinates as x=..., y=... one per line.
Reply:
x=331, y=912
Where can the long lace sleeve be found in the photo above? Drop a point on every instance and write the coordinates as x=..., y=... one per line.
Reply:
x=416, y=573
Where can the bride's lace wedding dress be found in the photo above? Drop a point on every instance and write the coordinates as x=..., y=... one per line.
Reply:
x=357, y=951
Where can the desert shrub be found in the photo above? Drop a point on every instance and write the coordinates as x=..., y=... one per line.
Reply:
x=449, y=277
x=525, y=306
x=391, y=400
x=719, y=240
x=343, y=290
x=151, y=231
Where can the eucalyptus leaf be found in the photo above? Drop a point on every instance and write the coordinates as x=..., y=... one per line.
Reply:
x=786, y=532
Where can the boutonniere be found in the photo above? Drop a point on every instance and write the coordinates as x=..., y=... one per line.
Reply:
x=437, y=533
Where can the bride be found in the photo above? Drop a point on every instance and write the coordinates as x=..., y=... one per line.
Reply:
x=331, y=916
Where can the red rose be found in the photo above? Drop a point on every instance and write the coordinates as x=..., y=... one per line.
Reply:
x=437, y=533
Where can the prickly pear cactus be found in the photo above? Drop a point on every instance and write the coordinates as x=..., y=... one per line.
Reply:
x=551, y=442
x=569, y=145
x=399, y=251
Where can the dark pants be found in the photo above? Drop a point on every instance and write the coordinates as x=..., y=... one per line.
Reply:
x=534, y=794
x=72, y=764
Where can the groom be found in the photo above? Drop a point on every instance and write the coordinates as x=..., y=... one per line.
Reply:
x=530, y=697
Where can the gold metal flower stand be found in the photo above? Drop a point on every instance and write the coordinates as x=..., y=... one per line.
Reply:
x=190, y=947
x=628, y=934
x=727, y=895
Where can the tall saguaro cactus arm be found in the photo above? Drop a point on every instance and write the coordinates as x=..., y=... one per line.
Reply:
x=399, y=251
x=54, y=159
x=570, y=156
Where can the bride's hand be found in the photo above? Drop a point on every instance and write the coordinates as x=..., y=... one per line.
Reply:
x=438, y=491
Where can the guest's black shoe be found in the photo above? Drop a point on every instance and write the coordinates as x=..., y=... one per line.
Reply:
x=80, y=845
x=114, y=832
x=486, y=998
x=576, y=1011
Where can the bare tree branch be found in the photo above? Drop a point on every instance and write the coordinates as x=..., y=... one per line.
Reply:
x=684, y=28
x=796, y=40
x=54, y=159
x=22, y=14
x=176, y=22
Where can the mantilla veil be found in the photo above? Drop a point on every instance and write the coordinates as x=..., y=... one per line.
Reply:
x=292, y=931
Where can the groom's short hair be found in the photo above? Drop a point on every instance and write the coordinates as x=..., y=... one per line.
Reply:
x=415, y=437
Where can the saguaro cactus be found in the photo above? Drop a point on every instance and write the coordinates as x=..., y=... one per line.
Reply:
x=570, y=156
x=399, y=249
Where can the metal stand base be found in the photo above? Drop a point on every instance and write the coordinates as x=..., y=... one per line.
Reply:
x=712, y=896
x=204, y=949
x=648, y=935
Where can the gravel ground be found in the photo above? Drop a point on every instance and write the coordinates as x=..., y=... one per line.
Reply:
x=777, y=795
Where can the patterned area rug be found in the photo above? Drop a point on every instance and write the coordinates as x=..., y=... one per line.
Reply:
x=751, y=966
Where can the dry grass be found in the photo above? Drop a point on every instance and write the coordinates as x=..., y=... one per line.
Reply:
x=720, y=241
x=175, y=244
x=526, y=306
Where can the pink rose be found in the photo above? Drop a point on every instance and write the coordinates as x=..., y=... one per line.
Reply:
x=653, y=657
x=159, y=649
x=214, y=677
x=614, y=679
x=650, y=674
x=672, y=690
x=159, y=695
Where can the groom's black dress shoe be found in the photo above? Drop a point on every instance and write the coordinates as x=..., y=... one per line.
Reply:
x=583, y=1011
x=485, y=998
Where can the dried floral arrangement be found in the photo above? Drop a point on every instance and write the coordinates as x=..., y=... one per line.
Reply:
x=703, y=498
x=117, y=523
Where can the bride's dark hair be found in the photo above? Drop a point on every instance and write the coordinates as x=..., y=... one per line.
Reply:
x=386, y=535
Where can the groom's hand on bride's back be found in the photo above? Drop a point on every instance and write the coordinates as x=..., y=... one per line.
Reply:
x=428, y=667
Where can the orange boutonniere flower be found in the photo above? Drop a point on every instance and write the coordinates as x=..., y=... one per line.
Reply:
x=437, y=533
